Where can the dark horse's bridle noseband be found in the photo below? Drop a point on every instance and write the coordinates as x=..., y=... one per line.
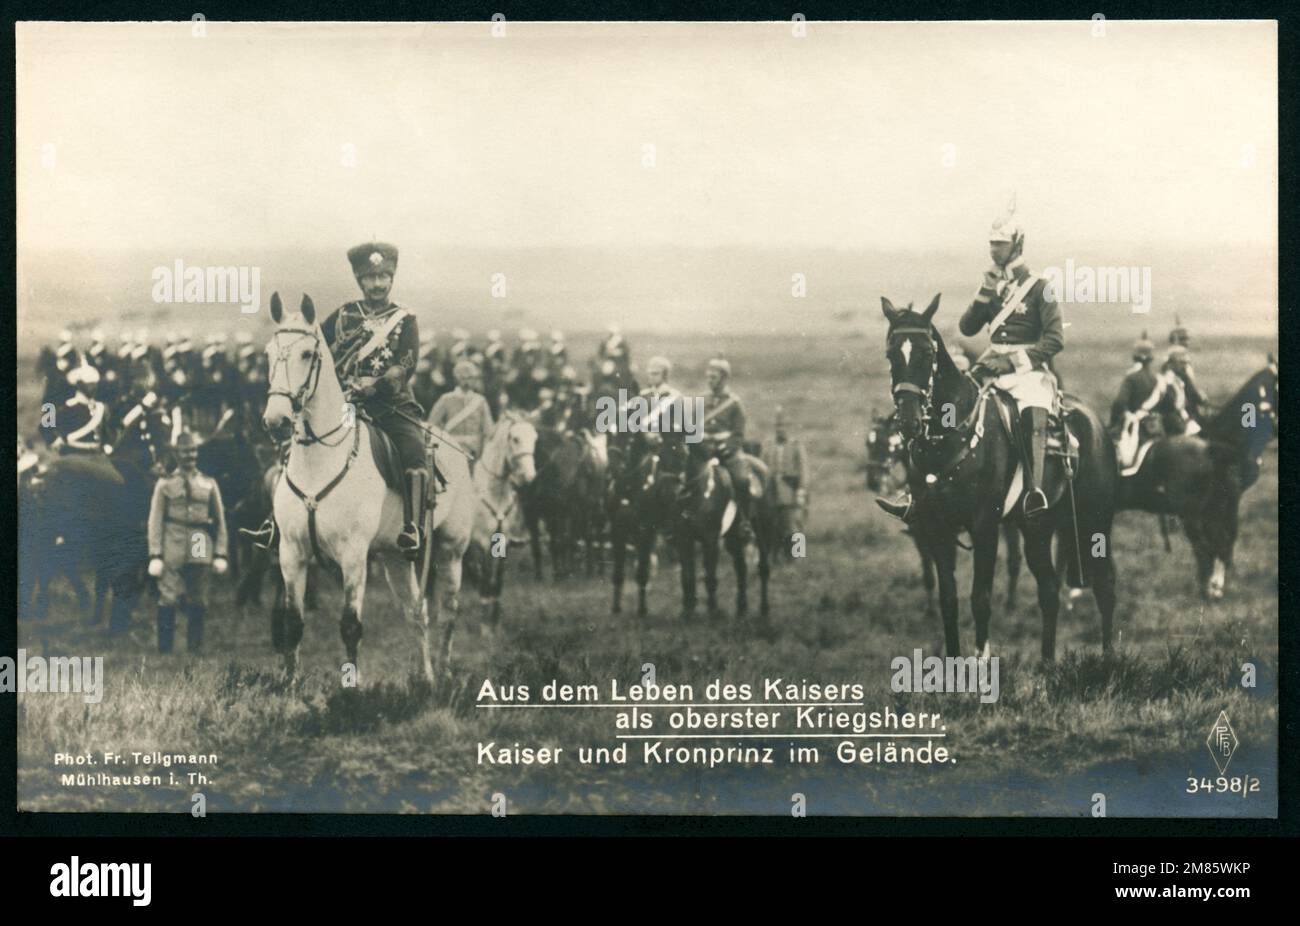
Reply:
x=927, y=394
x=949, y=468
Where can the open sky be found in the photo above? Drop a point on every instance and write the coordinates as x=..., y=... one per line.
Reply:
x=145, y=136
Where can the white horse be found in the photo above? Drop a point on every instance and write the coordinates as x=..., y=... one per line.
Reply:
x=508, y=465
x=332, y=500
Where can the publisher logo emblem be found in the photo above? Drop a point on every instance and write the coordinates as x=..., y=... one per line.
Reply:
x=1222, y=742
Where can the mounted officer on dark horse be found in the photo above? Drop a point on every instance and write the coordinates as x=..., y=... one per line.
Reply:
x=979, y=446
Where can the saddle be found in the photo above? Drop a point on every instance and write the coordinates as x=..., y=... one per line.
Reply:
x=1062, y=446
x=1060, y=441
x=1136, y=438
x=758, y=473
x=384, y=452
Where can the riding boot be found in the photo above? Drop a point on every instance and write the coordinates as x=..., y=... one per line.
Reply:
x=1033, y=422
x=413, y=508
x=266, y=537
x=901, y=508
x=166, y=627
x=194, y=629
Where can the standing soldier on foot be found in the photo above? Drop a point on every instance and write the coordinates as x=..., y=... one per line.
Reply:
x=187, y=537
x=788, y=465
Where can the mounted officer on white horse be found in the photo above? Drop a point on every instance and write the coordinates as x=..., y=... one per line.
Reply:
x=376, y=344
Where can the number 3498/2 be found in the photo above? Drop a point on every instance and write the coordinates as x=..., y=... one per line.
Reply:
x=1237, y=784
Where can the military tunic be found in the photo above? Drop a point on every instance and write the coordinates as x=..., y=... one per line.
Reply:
x=366, y=343
x=1135, y=414
x=724, y=429
x=1188, y=399
x=1030, y=335
x=464, y=414
x=789, y=467
x=724, y=421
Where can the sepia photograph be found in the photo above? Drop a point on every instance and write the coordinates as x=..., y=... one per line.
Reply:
x=778, y=419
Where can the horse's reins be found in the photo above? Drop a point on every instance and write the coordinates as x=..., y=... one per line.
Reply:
x=975, y=417
x=298, y=401
x=501, y=516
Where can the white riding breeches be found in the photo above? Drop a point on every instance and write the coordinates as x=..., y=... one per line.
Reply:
x=1030, y=389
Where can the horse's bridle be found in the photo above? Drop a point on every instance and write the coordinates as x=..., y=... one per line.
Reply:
x=299, y=399
x=927, y=394
x=509, y=463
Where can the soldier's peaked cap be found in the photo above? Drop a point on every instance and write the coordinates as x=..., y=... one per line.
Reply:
x=186, y=441
x=373, y=257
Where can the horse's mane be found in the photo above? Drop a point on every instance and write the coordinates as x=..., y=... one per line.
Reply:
x=1225, y=425
x=946, y=366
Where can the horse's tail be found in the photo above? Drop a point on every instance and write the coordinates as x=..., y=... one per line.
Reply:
x=1085, y=535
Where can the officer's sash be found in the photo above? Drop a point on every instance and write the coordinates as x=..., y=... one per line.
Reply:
x=465, y=411
x=380, y=337
x=1013, y=303
x=731, y=400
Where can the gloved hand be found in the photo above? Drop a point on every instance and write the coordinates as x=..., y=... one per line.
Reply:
x=156, y=567
x=363, y=387
x=992, y=367
x=219, y=565
x=992, y=277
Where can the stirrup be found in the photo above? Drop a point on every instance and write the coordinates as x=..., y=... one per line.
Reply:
x=265, y=537
x=1035, y=502
x=900, y=510
x=408, y=541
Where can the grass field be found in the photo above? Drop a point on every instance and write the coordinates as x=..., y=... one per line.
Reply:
x=1132, y=728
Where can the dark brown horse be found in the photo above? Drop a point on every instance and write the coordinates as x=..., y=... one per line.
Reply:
x=963, y=474
x=640, y=504
x=886, y=458
x=665, y=485
x=559, y=499
x=91, y=511
x=1201, y=478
